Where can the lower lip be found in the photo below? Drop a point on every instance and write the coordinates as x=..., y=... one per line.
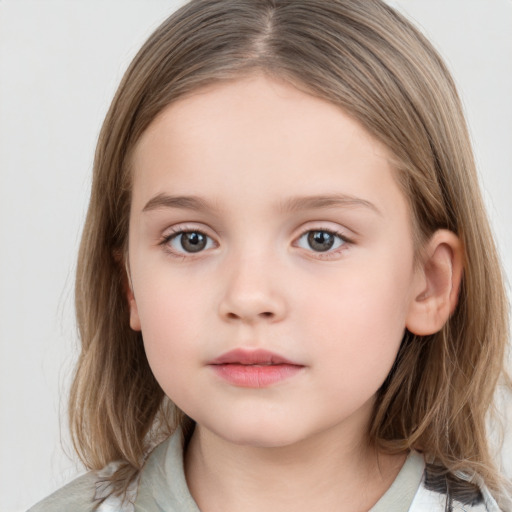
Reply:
x=255, y=376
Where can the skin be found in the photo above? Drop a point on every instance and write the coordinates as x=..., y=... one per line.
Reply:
x=247, y=148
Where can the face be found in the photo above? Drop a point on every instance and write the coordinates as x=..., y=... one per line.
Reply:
x=271, y=262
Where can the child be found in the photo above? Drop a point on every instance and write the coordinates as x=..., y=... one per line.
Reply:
x=287, y=291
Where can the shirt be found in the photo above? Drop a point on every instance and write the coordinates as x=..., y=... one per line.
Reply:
x=161, y=487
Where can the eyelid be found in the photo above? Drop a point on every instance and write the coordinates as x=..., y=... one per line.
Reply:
x=331, y=227
x=337, y=231
x=174, y=232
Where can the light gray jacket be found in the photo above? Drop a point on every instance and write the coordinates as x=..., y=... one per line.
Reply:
x=161, y=487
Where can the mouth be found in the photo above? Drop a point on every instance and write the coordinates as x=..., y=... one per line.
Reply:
x=252, y=357
x=254, y=368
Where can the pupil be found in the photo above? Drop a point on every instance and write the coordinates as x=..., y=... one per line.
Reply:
x=320, y=240
x=193, y=242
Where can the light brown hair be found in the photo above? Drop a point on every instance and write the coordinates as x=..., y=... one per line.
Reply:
x=370, y=61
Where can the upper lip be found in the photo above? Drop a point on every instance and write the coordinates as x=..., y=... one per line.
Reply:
x=258, y=356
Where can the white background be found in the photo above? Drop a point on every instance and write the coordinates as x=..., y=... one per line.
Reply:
x=60, y=62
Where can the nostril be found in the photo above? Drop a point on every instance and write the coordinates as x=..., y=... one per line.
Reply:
x=234, y=316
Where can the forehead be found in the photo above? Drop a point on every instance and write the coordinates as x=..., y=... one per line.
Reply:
x=265, y=139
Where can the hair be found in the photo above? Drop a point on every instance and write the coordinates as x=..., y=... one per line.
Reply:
x=366, y=58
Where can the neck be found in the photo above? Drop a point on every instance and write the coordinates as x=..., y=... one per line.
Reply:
x=328, y=471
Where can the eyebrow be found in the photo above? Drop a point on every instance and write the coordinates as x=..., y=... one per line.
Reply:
x=290, y=205
x=325, y=201
x=183, y=202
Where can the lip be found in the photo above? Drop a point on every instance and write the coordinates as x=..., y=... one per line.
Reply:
x=248, y=357
x=254, y=368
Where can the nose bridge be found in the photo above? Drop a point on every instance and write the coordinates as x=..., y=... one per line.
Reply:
x=252, y=290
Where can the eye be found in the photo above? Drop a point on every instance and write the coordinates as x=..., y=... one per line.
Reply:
x=188, y=242
x=321, y=240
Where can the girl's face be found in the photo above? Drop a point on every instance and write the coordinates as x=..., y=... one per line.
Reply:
x=271, y=262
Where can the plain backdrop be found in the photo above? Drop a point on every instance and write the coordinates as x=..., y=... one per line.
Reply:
x=60, y=62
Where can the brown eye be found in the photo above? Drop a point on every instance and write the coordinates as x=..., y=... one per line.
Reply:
x=321, y=240
x=189, y=242
x=193, y=242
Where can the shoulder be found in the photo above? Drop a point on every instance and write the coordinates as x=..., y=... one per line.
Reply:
x=77, y=496
x=92, y=492
x=441, y=490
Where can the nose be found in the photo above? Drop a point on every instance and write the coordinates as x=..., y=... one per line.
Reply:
x=252, y=292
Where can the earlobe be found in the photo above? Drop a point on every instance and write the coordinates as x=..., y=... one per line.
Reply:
x=134, y=312
x=438, y=282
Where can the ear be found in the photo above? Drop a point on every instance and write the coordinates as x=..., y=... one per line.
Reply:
x=437, y=285
x=134, y=312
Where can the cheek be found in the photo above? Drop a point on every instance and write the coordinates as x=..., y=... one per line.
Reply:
x=361, y=320
x=176, y=328
x=171, y=322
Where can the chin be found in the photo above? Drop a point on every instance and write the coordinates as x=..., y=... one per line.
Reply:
x=259, y=440
x=258, y=434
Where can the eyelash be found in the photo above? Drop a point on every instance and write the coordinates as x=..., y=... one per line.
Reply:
x=175, y=234
x=329, y=254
